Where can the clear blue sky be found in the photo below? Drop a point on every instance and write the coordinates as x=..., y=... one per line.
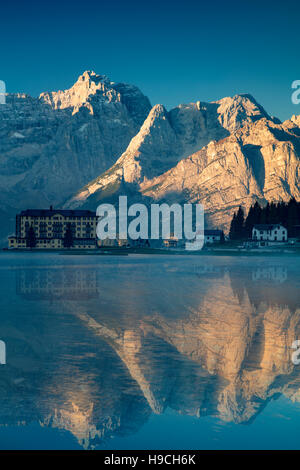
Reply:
x=174, y=51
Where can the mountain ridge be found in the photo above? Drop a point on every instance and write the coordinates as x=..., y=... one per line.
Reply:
x=53, y=145
x=237, y=124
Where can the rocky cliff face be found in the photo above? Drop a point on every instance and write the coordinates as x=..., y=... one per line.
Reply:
x=167, y=137
x=251, y=158
x=52, y=145
x=223, y=154
x=259, y=162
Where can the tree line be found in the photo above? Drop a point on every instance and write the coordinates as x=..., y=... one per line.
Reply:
x=286, y=214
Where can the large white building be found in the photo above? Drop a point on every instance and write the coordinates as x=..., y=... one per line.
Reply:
x=50, y=227
x=269, y=232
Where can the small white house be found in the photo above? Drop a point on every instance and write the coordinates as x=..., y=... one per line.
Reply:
x=269, y=232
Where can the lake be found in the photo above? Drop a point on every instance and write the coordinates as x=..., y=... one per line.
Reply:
x=149, y=352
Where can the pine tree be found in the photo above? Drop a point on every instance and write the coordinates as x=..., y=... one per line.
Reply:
x=31, y=238
x=240, y=228
x=273, y=214
x=292, y=216
x=267, y=213
x=256, y=213
x=68, y=238
x=232, y=231
x=282, y=213
x=237, y=227
x=250, y=221
x=263, y=215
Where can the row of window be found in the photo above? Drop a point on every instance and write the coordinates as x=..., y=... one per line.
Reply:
x=269, y=232
x=28, y=218
x=57, y=224
x=282, y=238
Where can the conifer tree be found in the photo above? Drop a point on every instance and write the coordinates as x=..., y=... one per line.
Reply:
x=240, y=220
x=232, y=230
x=250, y=221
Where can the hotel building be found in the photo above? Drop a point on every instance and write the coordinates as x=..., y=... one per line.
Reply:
x=50, y=227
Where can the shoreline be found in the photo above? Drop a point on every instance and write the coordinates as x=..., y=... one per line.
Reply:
x=164, y=252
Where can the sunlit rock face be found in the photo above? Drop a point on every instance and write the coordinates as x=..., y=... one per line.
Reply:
x=52, y=145
x=223, y=155
x=205, y=337
x=100, y=138
x=259, y=162
x=168, y=137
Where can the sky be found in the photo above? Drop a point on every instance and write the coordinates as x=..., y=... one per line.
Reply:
x=174, y=51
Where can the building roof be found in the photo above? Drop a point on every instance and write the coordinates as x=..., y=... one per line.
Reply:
x=267, y=226
x=213, y=232
x=50, y=212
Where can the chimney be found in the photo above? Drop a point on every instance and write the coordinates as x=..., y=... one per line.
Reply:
x=51, y=208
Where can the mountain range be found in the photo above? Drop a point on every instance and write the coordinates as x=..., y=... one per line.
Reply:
x=77, y=147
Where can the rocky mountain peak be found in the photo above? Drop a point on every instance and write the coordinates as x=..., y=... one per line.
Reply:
x=157, y=117
x=92, y=91
x=167, y=138
x=223, y=153
x=92, y=76
x=235, y=111
x=296, y=120
x=88, y=87
x=158, y=111
x=52, y=145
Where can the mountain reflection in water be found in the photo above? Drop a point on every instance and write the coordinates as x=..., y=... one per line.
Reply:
x=96, y=345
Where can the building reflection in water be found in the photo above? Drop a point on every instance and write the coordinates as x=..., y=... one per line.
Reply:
x=125, y=339
x=38, y=284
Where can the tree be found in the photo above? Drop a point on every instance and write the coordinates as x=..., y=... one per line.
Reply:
x=232, y=231
x=68, y=238
x=31, y=238
x=263, y=215
x=273, y=214
x=292, y=216
x=250, y=221
x=222, y=238
x=257, y=214
x=240, y=221
x=237, y=227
